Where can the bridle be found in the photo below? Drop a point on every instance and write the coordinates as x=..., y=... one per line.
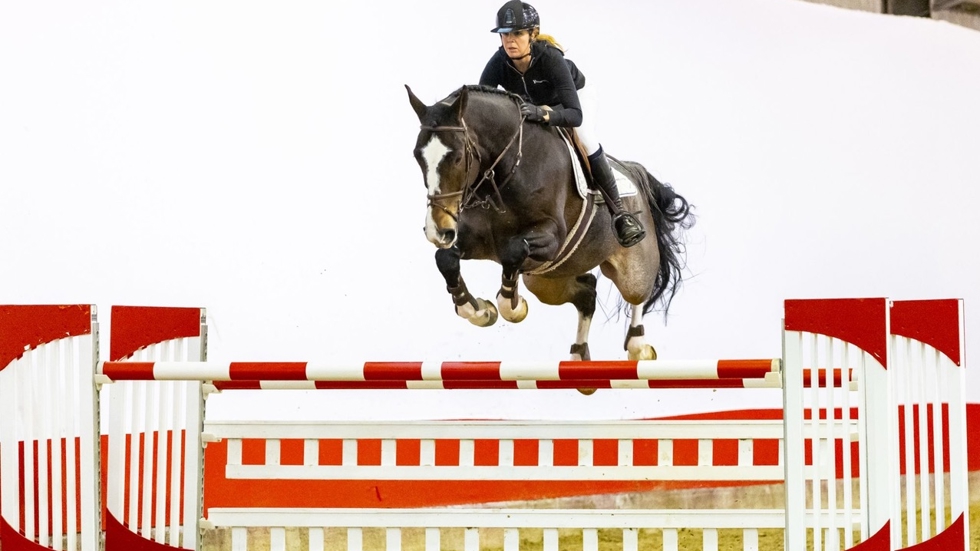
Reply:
x=468, y=193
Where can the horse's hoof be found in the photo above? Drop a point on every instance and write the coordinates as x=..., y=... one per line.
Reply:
x=645, y=352
x=586, y=391
x=515, y=315
x=486, y=315
x=580, y=352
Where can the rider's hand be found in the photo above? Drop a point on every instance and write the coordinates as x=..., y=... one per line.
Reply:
x=534, y=113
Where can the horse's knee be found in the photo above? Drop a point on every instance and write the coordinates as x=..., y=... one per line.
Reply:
x=513, y=255
x=447, y=260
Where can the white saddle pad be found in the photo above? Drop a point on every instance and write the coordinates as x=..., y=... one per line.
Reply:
x=625, y=185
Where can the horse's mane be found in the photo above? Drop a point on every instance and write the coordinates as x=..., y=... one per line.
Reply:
x=478, y=88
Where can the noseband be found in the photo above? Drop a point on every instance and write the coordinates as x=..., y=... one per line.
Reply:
x=468, y=193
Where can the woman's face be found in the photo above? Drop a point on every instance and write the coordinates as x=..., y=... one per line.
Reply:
x=517, y=43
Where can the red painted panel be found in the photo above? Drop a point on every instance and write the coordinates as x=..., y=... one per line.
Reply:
x=859, y=321
x=934, y=322
x=24, y=328
x=136, y=327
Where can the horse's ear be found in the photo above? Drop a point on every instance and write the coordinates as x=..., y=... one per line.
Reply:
x=419, y=107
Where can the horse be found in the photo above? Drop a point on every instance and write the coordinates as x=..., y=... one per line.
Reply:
x=504, y=189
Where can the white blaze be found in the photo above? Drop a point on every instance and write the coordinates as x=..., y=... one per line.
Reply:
x=433, y=153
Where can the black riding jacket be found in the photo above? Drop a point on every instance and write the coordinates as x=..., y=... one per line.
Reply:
x=550, y=80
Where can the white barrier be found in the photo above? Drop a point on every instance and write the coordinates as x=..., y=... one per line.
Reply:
x=841, y=432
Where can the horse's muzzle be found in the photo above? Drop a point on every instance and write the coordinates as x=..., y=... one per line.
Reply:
x=444, y=238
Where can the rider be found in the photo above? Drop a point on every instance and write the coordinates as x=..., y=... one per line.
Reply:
x=534, y=66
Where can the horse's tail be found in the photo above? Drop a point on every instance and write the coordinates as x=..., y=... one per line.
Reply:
x=671, y=214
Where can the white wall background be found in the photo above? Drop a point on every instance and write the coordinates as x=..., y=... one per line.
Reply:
x=255, y=158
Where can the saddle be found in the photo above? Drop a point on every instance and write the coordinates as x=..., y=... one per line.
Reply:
x=583, y=172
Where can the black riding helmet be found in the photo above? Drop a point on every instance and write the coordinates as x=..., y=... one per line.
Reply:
x=516, y=15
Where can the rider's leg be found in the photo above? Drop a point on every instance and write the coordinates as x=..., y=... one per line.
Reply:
x=629, y=231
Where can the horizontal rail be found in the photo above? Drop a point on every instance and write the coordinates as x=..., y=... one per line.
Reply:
x=521, y=430
x=517, y=518
x=657, y=370
x=771, y=381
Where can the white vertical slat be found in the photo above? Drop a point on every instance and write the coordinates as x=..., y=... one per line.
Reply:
x=624, y=453
x=665, y=453
x=151, y=409
x=590, y=539
x=389, y=453
x=316, y=539
x=958, y=494
x=273, y=453
x=348, y=455
x=471, y=539
x=120, y=396
x=70, y=387
x=585, y=453
x=833, y=536
x=512, y=540
x=706, y=454
x=907, y=400
x=817, y=445
x=746, y=452
x=234, y=451
x=550, y=539
x=709, y=538
x=750, y=539
x=546, y=453
x=505, y=452
x=393, y=539
x=277, y=539
x=136, y=425
x=792, y=444
x=936, y=368
x=58, y=431
x=239, y=539
x=631, y=540
x=427, y=453
x=193, y=477
x=166, y=396
x=864, y=458
x=88, y=420
x=180, y=390
x=670, y=539
x=30, y=435
x=355, y=539
x=432, y=539
x=311, y=452
x=42, y=427
x=466, y=453
x=924, y=389
x=848, y=474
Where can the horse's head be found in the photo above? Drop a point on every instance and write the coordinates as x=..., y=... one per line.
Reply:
x=449, y=162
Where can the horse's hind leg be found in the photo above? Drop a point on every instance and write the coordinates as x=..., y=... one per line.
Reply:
x=580, y=291
x=477, y=311
x=635, y=344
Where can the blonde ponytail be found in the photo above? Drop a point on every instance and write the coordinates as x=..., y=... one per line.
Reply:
x=550, y=40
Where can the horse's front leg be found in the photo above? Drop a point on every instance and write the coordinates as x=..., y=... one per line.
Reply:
x=477, y=311
x=511, y=304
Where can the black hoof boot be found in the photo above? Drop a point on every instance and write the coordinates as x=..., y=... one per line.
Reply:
x=629, y=231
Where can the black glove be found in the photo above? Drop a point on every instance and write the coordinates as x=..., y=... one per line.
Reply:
x=533, y=113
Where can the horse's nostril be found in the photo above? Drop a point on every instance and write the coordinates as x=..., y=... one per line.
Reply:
x=449, y=235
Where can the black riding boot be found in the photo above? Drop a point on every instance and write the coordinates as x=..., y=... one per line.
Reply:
x=628, y=229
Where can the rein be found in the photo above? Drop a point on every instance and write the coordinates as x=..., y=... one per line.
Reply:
x=468, y=193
